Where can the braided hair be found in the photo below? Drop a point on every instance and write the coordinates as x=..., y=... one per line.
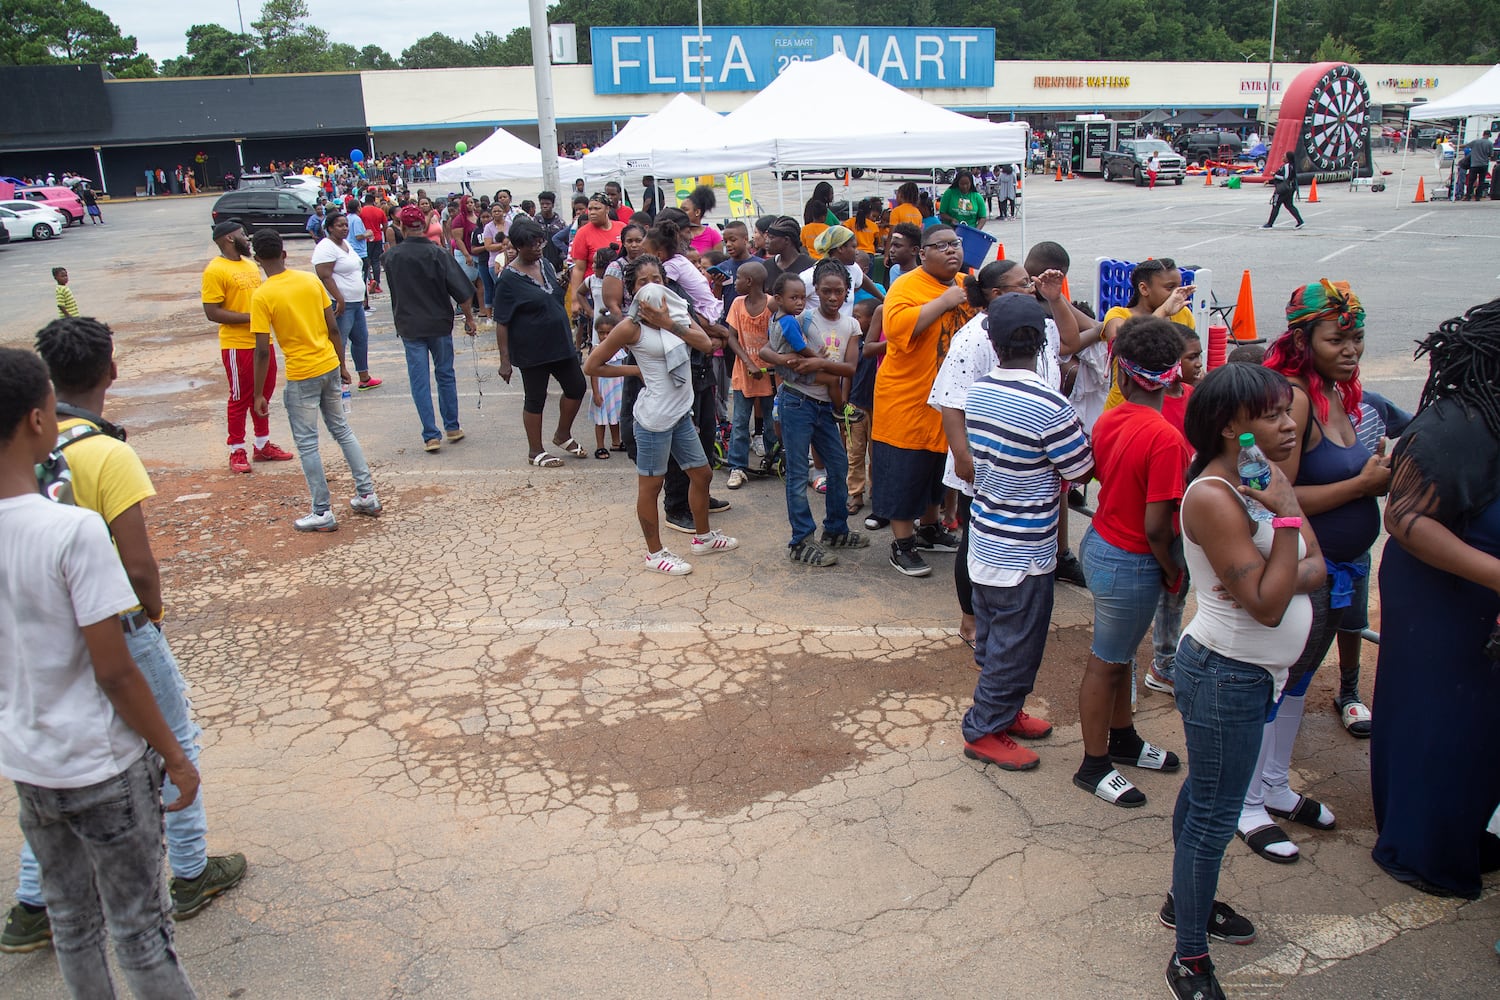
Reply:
x=828, y=266
x=632, y=269
x=78, y=351
x=1464, y=362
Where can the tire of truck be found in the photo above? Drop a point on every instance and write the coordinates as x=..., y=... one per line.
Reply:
x=1178, y=182
x=1140, y=177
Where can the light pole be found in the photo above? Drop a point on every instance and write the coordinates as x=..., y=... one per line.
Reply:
x=702, y=75
x=1271, y=63
x=546, y=111
x=246, y=53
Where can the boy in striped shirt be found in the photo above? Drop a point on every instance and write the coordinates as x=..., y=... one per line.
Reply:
x=66, y=304
x=1023, y=439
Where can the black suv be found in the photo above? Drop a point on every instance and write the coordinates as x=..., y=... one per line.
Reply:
x=1200, y=147
x=284, y=210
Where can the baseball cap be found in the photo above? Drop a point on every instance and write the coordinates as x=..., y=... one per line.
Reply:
x=1011, y=312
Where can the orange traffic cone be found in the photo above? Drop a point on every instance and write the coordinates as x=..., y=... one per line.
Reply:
x=846, y=177
x=1244, y=314
x=1059, y=172
x=1421, y=191
x=1312, y=192
x=1208, y=175
x=1066, y=294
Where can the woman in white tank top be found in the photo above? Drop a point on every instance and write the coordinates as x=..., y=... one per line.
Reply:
x=1252, y=579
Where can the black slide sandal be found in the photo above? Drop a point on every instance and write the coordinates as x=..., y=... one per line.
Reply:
x=1259, y=840
x=1307, y=813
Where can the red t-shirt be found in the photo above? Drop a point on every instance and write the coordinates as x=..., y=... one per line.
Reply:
x=1174, y=409
x=1139, y=459
x=591, y=239
x=374, y=220
x=623, y=213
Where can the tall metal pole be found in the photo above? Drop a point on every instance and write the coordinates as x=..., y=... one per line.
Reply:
x=246, y=53
x=1271, y=64
x=702, y=74
x=546, y=109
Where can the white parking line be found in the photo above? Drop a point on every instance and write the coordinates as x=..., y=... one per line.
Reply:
x=1215, y=239
x=1372, y=239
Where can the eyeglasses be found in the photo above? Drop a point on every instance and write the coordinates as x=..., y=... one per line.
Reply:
x=943, y=245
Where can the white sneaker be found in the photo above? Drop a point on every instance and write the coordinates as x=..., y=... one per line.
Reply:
x=317, y=522
x=714, y=541
x=737, y=478
x=367, y=505
x=665, y=562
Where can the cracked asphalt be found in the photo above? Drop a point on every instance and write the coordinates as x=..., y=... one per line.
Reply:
x=471, y=750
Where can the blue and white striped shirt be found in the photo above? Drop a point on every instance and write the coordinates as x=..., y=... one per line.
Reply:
x=1025, y=439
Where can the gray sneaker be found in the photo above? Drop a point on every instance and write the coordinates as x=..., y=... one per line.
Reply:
x=317, y=522
x=191, y=895
x=368, y=505
x=25, y=930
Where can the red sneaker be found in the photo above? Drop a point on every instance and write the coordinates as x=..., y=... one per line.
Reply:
x=239, y=461
x=1029, y=727
x=271, y=453
x=1002, y=751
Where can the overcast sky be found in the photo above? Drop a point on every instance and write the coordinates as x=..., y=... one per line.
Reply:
x=160, y=26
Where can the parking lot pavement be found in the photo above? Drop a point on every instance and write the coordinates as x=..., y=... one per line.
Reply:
x=472, y=751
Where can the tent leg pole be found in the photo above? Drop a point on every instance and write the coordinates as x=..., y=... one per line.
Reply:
x=1405, y=152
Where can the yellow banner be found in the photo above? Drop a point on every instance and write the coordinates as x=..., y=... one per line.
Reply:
x=741, y=206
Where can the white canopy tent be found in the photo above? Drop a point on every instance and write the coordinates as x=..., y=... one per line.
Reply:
x=503, y=157
x=1482, y=97
x=657, y=144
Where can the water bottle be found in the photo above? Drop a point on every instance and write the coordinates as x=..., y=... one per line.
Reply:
x=1255, y=472
x=346, y=398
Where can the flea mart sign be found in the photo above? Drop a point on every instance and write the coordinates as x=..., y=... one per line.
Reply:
x=647, y=60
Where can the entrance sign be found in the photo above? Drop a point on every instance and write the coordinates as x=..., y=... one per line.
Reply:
x=645, y=60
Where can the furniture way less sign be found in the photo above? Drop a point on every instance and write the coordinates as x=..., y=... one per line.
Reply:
x=666, y=60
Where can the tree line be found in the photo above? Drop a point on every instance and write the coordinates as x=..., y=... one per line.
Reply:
x=281, y=40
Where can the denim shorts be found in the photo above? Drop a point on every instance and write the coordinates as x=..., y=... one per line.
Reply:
x=906, y=481
x=680, y=441
x=1126, y=587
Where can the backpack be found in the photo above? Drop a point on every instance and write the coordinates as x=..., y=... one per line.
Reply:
x=53, y=477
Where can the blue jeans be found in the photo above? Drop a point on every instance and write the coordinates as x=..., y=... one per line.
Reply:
x=1010, y=635
x=1125, y=586
x=1223, y=704
x=441, y=351
x=187, y=829
x=488, y=278
x=356, y=334
x=743, y=408
x=101, y=849
x=808, y=423
x=304, y=399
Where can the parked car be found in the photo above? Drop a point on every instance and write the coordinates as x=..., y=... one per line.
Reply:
x=4, y=236
x=303, y=182
x=261, y=181
x=1200, y=147
x=21, y=228
x=61, y=198
x=1131, y=158
x=30, y=209
x=284, y=210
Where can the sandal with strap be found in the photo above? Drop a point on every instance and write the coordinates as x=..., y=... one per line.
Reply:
x=1309, y=812
x=1115, y=789
x=601, y=453
x=573, y=448
x=1356, y=718
x=542, y=460
x=1259, y=840
x=1151, y=758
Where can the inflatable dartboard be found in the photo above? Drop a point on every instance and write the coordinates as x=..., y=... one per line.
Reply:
x=1325, y=124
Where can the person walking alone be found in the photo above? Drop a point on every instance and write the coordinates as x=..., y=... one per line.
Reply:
x=1284, y=192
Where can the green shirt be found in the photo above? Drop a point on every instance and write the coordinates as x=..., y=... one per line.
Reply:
x=66, y=304
x=960, y=207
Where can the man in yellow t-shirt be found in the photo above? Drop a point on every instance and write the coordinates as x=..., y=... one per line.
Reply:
x=1156, y=289
x=228, y=282
x=109, y=479
x=923, y=310
x=295, y=308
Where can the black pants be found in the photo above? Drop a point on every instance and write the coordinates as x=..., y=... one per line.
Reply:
x=961, y=558
x=1476, y=182
x=1283, y=199
x=675, y=488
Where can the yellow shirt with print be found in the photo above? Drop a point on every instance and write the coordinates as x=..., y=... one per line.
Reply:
x=108, y=477
x=290, y=306
x=230, y=283
x=1116, y=396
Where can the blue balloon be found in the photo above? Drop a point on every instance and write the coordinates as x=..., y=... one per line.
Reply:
x=356, y=155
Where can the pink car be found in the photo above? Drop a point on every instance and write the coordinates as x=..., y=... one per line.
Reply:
x=61, y=198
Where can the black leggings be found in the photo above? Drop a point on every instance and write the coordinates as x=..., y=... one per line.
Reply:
x=961, y=558
x=1286, y=200
x=569, y=375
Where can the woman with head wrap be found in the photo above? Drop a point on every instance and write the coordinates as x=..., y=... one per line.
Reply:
x=1337, y=479
x=1433, y=768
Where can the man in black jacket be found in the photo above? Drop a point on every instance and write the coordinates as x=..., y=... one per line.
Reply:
x=424, y=283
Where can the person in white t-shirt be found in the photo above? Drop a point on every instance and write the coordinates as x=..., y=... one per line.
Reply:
x=340, y=269
x=74, y=709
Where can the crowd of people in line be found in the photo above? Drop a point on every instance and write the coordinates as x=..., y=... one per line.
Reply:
x=857, y=357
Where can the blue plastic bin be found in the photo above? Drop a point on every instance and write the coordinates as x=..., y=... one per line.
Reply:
x=977, y=244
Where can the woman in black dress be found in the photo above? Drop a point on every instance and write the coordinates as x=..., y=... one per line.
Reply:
x=1434, y=766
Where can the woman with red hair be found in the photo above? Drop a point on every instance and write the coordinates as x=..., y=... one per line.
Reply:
x=1337, y=480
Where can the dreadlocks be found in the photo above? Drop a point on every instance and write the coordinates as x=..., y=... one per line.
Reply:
x=1464, y=359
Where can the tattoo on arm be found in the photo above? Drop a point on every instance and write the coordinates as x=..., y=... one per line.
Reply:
x=1237, y=573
